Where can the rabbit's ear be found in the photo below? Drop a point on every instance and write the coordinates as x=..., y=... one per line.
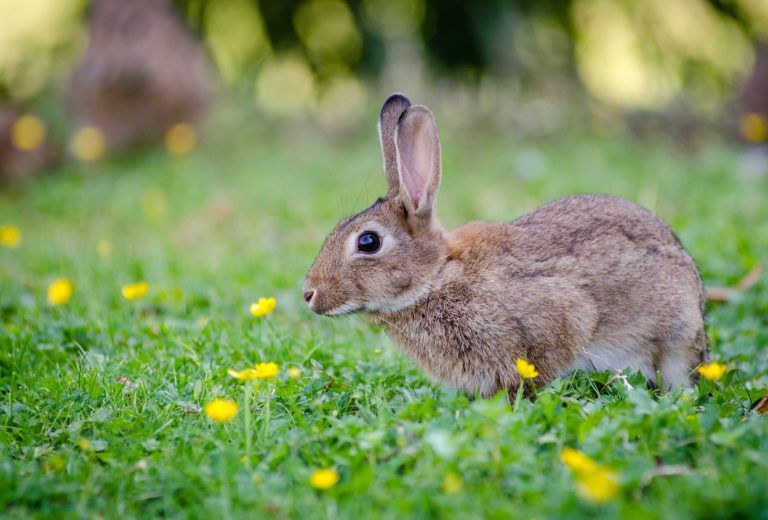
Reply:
x=418, y=158
x=391, y=111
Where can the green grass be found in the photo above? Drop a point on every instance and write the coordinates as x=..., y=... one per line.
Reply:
x=243, y=218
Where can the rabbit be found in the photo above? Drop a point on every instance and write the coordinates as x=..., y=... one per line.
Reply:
x=590, y=282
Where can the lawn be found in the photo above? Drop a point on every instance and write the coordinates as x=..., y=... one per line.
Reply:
x=101, y=399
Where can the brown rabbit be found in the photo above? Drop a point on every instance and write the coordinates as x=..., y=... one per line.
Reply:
x=586, y=282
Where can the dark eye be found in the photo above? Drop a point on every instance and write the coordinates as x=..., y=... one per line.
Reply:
x=368, y=242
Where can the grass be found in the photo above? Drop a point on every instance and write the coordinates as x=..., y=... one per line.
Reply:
x=100, y=399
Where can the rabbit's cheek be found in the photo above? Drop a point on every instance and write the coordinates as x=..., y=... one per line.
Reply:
x=401, y=280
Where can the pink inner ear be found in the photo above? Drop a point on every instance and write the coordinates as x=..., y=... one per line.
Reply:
x=416, y=160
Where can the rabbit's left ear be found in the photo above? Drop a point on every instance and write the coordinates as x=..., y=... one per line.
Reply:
x=418, y=158
x=391, y=111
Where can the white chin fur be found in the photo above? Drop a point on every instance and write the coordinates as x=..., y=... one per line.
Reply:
x=401, y=302
x=344, y=308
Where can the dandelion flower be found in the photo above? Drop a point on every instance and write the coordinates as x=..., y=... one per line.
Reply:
x=527, y=370
x=181, y=139
x=28, y=133
x=294, y=373
x=221, y=410
x=263, y=307
x=60, y=291
x=84, y=444
x=135, y=291
x=598, y=486
x=243, y=375
x=267, y=370
x=712, y=371
x=577, y=461
x=451, y=482
x=10, y=236
x=89, y=144
x=323, y=478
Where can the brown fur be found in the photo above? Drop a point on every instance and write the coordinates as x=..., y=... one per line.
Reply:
x=589, y=281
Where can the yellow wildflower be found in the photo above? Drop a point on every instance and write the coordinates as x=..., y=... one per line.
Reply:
x=263, y=307
x=60, y=291
x=599, y=486
x=451, y=482
x=243, y=375
x=181, y=139
x=294, y=373
x=84, y=444
x=527, y=370
x=577, y=460
x=753, y=127
x=323, y=478
x=89, y=143
x=266, y=370
x=221, y=410
x=28, y=133
x=712, y=371
x=10, y=236
x=104, y=247
x=134, y=291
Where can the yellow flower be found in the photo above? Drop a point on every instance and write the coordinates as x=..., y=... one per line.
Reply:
x=28, y=133
x=712, y=371
x=294, y=373
x=599, y=486
x=593, y=482
x=451, y=482
x=84, y=444
x=243, y=375
x=104, y=247
x=134, y=291
x=753, y=127
x=263, y=307
x=181, y=139
x=526, y=370
x=324, y=478
x=577, y=460
x=10, y=236
x=89, y=143
x=221, y=410
x=266, y=370
x=60, y=291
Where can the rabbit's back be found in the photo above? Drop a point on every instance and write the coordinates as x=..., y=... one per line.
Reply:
x=638, y=292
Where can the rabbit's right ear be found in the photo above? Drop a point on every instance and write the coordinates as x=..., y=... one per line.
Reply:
x=391, y=111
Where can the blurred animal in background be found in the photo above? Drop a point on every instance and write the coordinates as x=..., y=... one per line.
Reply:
x=144, y=79
x=753, y=118
x=25, y=145
x=753, y=125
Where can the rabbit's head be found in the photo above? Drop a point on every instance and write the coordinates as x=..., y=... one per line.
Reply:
x=384, y=258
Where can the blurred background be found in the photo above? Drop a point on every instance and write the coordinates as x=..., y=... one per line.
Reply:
x=109, y=75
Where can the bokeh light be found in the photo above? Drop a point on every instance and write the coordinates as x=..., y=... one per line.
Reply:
x=285, y=86
x=236, y=35
x=28, y=133
x=328, y=31
x=181, y=139
x=88, y=144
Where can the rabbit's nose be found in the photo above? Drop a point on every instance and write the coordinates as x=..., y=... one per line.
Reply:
x=308, y=296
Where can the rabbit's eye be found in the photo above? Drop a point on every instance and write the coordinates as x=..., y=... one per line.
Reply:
x=368, y=242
